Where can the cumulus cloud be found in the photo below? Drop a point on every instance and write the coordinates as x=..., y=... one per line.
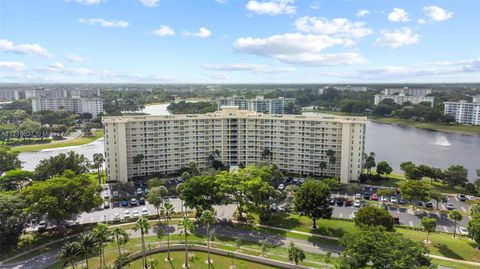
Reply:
x=104, y=23
x=9, y=46
x=150, y=3
x=437, y=13
x=341, y=26
x=13, y=66
x=163, y=31
x=362, y=13
x=313, y=59
x=89, y=2
x=58, y=67
x=256, y=68
x=397, y=38
x=202, y=33
x=398, y=15
x=273, y=7
x=75, y=58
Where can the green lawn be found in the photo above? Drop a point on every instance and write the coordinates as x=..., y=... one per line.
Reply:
x=82, y=140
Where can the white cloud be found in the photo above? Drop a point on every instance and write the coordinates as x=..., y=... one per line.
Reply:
x=221, y=1
x=437, y=13
x=398, y=15
x=256, y=68
x=79, y=71
x=104, y=23
x=163, y=31
x=89, y=2
x=75, y=58
x=13, y=66
x=220, y=76
x=341, y=26
x=323, y=59
x=273, y=7
x=202, y=33
x=150, y=3
x=362, y=13
x=397, y=38
x=422, y=21
x=9, y=46
x=315, y=5
x=57, y=65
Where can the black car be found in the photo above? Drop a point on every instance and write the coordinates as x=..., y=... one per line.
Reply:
x=429, y=204
x=366, y=196
x=339, y=202
x=461, y=197
x=141, y=200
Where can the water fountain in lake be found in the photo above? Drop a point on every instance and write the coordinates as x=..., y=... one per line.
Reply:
x=442, y=141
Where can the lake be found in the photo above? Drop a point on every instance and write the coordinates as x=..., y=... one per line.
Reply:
x=391, y=143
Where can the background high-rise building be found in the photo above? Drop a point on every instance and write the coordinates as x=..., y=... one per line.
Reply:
x=464, y=112
x=137, y=146
x=403, y=95
x=259, y=104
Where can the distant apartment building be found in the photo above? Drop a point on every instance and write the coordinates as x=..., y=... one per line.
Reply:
x=350, y=88
x=77, y=100
x=464, y=112
x=403, y=95
x=9, y=95
x=298, y=143
x=259, y=104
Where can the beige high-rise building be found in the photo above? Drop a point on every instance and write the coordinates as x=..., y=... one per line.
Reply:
x=137, y=146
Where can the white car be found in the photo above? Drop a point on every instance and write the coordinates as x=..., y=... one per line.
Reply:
x=281, y=187
x=357, y=203
x=463, y=230
x=358, y=196
x=383, y=199
x=116, y=216
x=145, y=212
x=135, y=214
x=126, y=214
x=450, y=206
x=139, y=191
x=393, y=199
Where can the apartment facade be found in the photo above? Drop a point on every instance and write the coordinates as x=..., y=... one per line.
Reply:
x=400, y=99
x=9, y=95
x=137, y=146
x=464, y=112
x=76, y=100
x=259, y=104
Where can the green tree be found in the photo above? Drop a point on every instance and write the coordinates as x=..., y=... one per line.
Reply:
x=331, y=157
x=295, y=254
x=102, y=235
x=414, y=191
x=62, y=197
x=322, y=165
x=333, y=183
x=438, y=197
x=142, y=225
x=266, y=153
x=312, y=200
x=373, y=216
x=13, y=219
x=370, y=162
x=98, y=161
x=87, y=244
x=8, y=160
x=57, y=165
x=208, y=218
x=69, y=252
x=186, y=228
x=377, y=248
x=455, y=216
x=167, y=211
x=429, y=224
x=456, y=175
x=120, y=236
x=15, y=179
x=474, y=209
x=200, y=192
x=327, y=259
x=384, y=168
x=474, y=229
x=192, y=166
x=411, y=171
x=156, y=197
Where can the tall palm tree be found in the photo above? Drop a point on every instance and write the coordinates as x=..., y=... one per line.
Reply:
x=208, y=218
x=87, y=244
x=186, y=228
x=102, y=235
x=142, y=225
x=167, y=211
x=120, y=236
x=69, y=252
x=98, y=161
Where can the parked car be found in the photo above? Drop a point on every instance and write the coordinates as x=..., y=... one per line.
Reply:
x=139, y=191
x=295, y=180
x=126, y=214
x=401, y=201
x=348, y=202
x=145, y=212
x=429, y=204
x=281, y=187
x=366, y=196
x=396, y=219
x=339, y=202
x=141, y=200
x=116, y=216
x=273, y=207
x=133, y=202
x=450, y=206
x=374, y=197
x=461, y=197
x=106, y=204
x=42, y=226
x=358, y=196
x=383, y=199
x=115, y=194
x=393, y=199
x=135, y=214
x=357, y=203
x=463, y=230
x=332, y=201
x=125, y=203
x=301, y=180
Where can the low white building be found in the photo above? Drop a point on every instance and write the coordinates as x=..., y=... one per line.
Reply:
x=401, y=98
x=464, y=112
x=78, y=101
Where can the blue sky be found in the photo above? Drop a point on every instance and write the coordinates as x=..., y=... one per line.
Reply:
x=234, y=41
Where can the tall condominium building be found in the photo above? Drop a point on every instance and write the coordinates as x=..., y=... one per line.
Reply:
x=77, y=100
x=137, y=146
x=402, y=95
x=259, y=104
x=464, y=112
x=407, y=91
x=9, y=95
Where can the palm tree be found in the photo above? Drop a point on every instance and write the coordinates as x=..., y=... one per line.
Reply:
x=120, y=236
x=167, y=211
x=69, y=252
x=266, y=153
x=98, y=161
x=331, y=157
x=87, y=243
x=142, y=225
x=137, y=159
x=455, y=216
x=323, y=166
x=186, y=228
x=101, y=234
x=208, y=218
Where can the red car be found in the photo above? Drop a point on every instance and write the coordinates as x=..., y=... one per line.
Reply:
x=374, y=197
x=348, y=202
x=396, y=219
